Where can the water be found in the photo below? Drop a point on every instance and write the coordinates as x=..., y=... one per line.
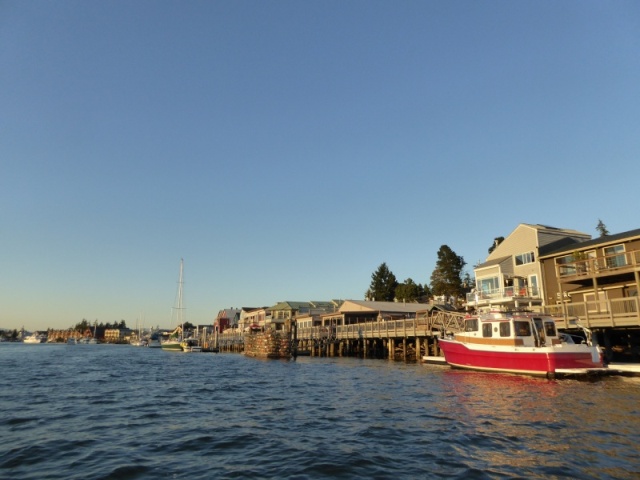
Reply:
x=104, y=411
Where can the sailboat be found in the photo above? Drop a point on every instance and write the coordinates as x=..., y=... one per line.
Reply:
x=174, y=340
x=139, y=341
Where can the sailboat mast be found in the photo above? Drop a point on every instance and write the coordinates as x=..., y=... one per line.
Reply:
x=180, y=286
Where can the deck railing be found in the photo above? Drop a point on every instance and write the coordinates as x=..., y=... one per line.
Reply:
x=600, y=265
x=619, y=312
x=423, y=324
x=504, y=293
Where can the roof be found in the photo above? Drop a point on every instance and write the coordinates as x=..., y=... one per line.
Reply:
x=289, y=305
x=565, y=242
x=548, y=228
x=364, y=306
x=491, y=263
x=605, y=240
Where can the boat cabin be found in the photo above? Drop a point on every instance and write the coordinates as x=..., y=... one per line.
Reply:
x=499, y=328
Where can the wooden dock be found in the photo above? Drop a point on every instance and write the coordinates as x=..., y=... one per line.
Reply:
x=407, y=339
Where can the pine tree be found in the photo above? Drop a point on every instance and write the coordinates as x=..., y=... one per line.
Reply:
x=602, y=228
x=496, y=241
x=383, y=285
x=408, y=291
x=446, y=278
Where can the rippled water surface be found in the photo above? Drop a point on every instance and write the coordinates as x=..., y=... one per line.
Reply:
x=103, y=411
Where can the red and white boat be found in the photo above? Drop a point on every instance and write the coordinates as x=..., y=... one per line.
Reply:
x=523, y=343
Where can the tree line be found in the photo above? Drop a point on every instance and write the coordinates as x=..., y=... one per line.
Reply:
x=447, y=280
x=84, y=325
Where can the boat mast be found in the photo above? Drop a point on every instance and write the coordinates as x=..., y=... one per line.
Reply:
x=180, y=286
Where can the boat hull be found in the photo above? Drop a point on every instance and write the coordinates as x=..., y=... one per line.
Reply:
x=34, y=340
x=542, y=361
x=172, y=346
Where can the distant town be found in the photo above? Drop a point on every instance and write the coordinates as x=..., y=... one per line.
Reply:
x=538, y=268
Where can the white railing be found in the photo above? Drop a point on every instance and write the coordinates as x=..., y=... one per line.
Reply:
x=504, y=293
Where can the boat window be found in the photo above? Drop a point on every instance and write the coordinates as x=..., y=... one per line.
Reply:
x=471, y=325
x=550, y=329
x=523, y=329
x=505, y=329
x=538, y=323
x=486, y=330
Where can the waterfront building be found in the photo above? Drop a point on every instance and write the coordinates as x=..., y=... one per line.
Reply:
x=596, y=280
x=569, y=275
x=117, y=335
x=362, y=311
x=227, y=318
x=252, y=317
x=511, y=277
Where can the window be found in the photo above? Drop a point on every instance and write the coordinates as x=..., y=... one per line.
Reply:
x=471, y=325
x=523, y=329
x=486, y=330
x=550, y=329
x=524, y=258
x=488, y=285
x=565, y=265
x=505, y=329
x=614, y=256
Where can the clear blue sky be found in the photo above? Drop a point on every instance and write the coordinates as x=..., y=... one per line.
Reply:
x=285, y=149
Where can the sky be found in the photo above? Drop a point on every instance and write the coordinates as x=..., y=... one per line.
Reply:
x=286, y=149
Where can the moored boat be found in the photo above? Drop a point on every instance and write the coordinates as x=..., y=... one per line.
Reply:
x=174, y=342
x=523, y=343
x=191, y=345
x=35, y=337
x=154, y=340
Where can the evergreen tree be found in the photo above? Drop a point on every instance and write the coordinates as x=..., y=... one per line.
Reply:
x=468, y=283
x=408, y=291
x=602, y=228
x=82, y=326
x=446, y=278
x=425, y=294
x=496, y=241
x=383, y=285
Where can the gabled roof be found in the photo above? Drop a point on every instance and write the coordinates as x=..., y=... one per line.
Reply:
x=600, y=241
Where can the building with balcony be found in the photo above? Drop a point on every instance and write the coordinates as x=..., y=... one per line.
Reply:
x=596, y=281
x=511, y=277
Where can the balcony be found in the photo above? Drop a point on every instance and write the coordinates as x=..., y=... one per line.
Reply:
x=620, y=312
x=618, y=263
x=503, y=295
